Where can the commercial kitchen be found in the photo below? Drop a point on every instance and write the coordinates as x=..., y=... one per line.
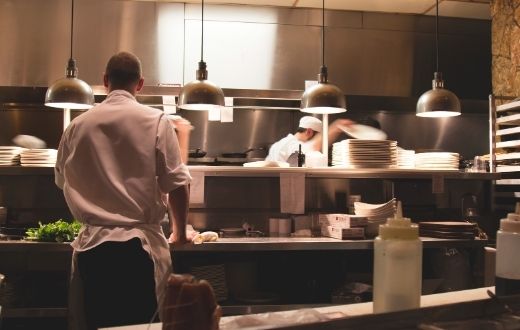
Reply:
x=264, y=54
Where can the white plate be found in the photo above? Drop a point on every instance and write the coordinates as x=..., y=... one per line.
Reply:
x=363, y=132
x=361, y=205
x=37, y=165
x=10, y=149
x=347, y=142
x=29, y=141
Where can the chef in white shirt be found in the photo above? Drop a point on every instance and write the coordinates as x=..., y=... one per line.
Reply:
x=116, y=163
x=308, y=136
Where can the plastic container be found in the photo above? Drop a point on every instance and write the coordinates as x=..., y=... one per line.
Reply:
x=397, y=265
x=507, y=272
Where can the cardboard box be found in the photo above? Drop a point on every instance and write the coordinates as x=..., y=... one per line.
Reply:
x=343, y=233
x=343, y=220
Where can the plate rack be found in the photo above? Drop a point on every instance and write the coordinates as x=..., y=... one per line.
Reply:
x=505, y=150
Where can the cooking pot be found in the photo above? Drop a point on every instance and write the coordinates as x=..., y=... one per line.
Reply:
x=240, y=232
x=7, y=233
x=232, y=232
x=196, y=153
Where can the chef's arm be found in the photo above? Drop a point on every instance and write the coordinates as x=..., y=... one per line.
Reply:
x=183, y=129
x=334, y=132
x=184, y=141
x=178, y=204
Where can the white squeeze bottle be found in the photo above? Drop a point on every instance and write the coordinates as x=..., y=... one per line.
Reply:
x=507, y=280
x=397, y=265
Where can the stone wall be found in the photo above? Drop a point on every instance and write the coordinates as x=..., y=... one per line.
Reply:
x=505, y=45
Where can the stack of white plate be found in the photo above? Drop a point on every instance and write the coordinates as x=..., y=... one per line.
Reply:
x=405, y=158
x=377, y=214
x=38, y=157
x=365, y=153
x=437, y=160
x=10, y=155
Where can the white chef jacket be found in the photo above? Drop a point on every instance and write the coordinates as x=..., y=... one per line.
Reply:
x=115, y=164
x=281, y=150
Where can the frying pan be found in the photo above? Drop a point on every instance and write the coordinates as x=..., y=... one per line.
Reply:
x=240, y=154
x=196, y=153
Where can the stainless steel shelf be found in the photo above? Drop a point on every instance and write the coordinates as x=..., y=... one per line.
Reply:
x=328, y=172
x=341, y=173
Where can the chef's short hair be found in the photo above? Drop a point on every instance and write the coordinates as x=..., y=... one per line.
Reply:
x=123, y=70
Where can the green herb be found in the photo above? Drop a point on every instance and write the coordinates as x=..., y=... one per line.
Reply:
x=58, y=231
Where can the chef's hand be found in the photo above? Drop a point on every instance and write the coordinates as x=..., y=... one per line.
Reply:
x=175, y=240
x=336, y=124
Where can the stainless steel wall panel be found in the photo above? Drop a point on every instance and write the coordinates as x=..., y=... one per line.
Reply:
x=392, y=22
x=370, y=62
x=249, y=129
x=35, y=41
x=464, y=134
x=249, y=66
x=274, y=15
x=153, y=31
x=45, y=123
x=245, y=46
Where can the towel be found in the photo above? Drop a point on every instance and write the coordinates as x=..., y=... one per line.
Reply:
x=292, y=193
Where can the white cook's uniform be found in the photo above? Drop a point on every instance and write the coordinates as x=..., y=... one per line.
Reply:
x=281, y=150
x=115, y=164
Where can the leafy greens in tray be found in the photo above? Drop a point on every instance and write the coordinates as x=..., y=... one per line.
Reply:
x=58, y=231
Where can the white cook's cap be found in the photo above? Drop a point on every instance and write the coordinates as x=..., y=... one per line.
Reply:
x=311, y=122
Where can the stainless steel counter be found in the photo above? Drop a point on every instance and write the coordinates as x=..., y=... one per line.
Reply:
x=255, y=244
x=310, y=243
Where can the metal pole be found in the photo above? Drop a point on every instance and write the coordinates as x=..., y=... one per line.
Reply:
x=66, y=118
x=325, y=137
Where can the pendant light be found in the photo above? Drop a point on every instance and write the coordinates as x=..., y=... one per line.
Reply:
x=438, y=102
x=201, y=94
x=70, y=92
x=323, y=98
